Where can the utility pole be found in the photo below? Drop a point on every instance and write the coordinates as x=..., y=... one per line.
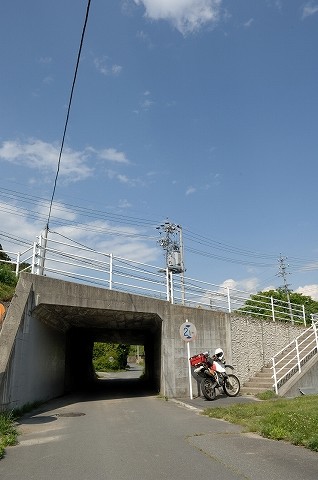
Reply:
x=282, y=273
x=172, y=244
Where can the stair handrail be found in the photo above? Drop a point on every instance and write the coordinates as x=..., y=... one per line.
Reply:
x=294, y=364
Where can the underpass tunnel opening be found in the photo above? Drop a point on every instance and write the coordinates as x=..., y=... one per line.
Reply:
x=80, y=372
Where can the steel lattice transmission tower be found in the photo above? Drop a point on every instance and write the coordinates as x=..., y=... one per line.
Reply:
x=283, y=273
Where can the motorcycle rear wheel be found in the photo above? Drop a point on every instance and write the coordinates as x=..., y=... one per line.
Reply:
x=232, y=385
x=208, y=388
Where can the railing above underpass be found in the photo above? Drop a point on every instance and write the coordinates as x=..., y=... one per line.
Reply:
x=68, y=260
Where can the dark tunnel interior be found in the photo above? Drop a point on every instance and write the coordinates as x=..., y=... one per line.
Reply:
x=79, y=371
x=82, y=327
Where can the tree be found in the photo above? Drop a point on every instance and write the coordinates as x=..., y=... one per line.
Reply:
x=3, y=255
x=260, y=304
x=110, y=356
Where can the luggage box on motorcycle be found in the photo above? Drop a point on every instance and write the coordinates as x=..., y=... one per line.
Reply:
x=197, y=359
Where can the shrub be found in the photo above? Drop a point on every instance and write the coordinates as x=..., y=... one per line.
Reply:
x=109, y=356
x=7, y=276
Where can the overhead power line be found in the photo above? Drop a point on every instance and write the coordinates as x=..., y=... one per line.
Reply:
x=68, y=112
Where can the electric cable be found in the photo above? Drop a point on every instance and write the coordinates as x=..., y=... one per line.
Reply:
x=68, y=113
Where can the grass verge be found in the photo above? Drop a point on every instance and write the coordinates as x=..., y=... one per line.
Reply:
x=294, y=420
x=8, y=431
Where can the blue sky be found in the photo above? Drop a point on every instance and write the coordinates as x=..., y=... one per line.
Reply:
x=203, y=112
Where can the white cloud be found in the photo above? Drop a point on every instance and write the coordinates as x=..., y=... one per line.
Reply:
x=309, y=290
x=14, y=221
x=28, y=223
x=248, y=23
x=113, y=155
x=187, y=16
x=122, y=178
x=103, y=67
x=249, y=285
x=309, y=9
x=42, y=156
x=146, y=104
x=144, y=38
x=190, y=190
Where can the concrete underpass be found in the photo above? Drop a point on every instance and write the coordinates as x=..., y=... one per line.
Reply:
x=50, y=328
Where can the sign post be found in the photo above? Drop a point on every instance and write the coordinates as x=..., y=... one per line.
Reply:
x=188, y=332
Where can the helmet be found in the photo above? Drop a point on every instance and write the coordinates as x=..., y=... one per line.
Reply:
x=219, y=353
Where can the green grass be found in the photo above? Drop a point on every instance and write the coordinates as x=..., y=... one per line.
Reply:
x=293, y=420
x=6, y=292
x=8, y=431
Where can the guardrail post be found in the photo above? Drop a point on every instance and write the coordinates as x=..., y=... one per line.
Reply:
x=228, y=299
x=275, y=376
x=167, y=285
x=304, y=315
x=110, y=271
x=297, y=352
x=17, y=267
x=315, y=330
x=33, y=267
x=273, y=309
x=171, y=287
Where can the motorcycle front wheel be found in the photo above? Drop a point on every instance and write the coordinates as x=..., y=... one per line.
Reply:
x=208, y=388
x=231, y=385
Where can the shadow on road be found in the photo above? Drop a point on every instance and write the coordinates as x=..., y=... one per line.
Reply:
x=107, y=386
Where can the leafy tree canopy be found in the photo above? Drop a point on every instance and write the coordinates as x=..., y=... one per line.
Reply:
x=257, y=304
x=110, y=356
x=3, y=255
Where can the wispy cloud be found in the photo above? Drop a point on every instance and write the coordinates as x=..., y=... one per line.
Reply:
x=42, y=156
x=187, y=16
x=122, y=240
x=309, y=9
x=248, y=23
x=144, y=37
x=124, y=179
x=190, y=190
x=145, y=103
x=113, y=155
x=75, y=165
x=104, y=66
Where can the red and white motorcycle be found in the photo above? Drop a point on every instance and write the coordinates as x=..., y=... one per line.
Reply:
x=211, y=372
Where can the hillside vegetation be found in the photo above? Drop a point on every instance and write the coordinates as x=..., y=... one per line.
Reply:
x=8, y=281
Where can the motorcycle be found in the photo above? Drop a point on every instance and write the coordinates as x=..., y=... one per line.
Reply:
x=211, y=372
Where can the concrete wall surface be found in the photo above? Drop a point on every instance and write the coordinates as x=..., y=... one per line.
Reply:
x=255, y=341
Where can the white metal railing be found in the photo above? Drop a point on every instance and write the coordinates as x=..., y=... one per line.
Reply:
x=290, y=360
x=70, y=260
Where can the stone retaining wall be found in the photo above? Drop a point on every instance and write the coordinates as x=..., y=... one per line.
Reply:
x=255, y=341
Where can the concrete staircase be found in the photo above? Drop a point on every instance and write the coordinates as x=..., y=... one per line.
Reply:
x=288, y=363
x=261, y=382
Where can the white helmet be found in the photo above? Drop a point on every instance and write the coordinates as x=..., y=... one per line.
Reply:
x=219, y=353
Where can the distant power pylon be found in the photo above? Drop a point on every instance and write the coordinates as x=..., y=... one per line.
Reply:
x=283, y=273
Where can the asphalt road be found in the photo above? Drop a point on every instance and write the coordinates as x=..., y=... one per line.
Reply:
x=120, y=431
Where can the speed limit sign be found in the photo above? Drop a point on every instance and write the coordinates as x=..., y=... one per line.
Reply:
x=188, y=332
